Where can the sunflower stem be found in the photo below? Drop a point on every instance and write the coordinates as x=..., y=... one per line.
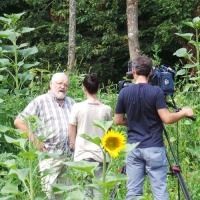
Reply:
x=104, y=193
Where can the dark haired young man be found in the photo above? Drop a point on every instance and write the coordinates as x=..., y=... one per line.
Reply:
x=142, y=108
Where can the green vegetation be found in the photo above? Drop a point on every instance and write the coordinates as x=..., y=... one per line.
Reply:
x=101, y=48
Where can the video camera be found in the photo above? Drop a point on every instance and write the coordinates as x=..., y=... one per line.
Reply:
x=162, y=76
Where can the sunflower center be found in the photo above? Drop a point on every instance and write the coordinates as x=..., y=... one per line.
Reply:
x=112, y=143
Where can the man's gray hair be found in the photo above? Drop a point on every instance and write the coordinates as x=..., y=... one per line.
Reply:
x=58, y=75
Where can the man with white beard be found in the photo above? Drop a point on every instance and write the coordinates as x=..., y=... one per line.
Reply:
x=53, y=110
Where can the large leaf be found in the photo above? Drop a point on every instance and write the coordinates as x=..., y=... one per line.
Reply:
x=22, y=92
x=186, y=36
x=29, y=155
x=27, y=66
x=84, y=166
x=26, y=76
x=92, y=138
x=189, y=24
x=14, y=17
x=19, y=142
x=10, y=164
x=27, y=29
x=111, y=181
x=23, y=45
x=8, y=197
x=63, y=187
x=181, y=72
x=105, y=125
x=4, y=62
x=8, y=49
x=4, y=129
x=10, y=188
x=75, y=195
x=6, y=33
x=188, y=66
x=29, y=51
x=182, y=52
x=20, y=173
x=5, y=20
x=3, y=91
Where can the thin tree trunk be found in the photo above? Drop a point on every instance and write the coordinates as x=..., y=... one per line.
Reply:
x=72, y=33
x=132, y=24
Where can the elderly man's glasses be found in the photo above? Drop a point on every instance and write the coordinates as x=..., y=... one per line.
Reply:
x=60, y=84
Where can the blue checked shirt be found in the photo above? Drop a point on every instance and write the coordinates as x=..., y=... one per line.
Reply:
x=54, y=120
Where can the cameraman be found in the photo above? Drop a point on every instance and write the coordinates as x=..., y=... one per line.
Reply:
x=142, y=108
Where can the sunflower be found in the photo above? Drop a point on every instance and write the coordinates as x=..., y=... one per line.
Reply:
x=113, y=143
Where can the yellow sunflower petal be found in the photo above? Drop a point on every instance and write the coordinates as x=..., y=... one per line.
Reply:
x=113, y=143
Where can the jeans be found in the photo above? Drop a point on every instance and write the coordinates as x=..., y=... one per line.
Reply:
x=152, y=161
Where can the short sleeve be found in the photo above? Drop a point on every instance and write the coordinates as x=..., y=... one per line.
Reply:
x=73, y=115
x=160, y=101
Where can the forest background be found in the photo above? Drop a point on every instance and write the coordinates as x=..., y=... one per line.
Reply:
x=101, y=47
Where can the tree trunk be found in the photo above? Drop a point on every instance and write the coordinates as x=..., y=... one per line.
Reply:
x=132, y=24
x=72, y=33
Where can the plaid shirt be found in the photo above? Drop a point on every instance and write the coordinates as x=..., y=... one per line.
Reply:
x=54, y=120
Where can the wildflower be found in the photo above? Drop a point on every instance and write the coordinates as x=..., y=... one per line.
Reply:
x=113, y=143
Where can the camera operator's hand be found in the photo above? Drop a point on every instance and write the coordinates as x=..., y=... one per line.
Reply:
x=168, y=117
x=188, y=112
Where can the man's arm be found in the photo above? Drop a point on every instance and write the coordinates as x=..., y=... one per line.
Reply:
x=120, y=119
x=20, y=124
x=168, y=117
x=72, y=136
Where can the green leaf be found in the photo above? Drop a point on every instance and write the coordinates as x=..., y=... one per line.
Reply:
x=27, y=66
x=190, y=24
x=27, y=29
x=186, y=36
x=6, y=20
x=92, y=138
x=188, y=66
x=188, y=86
x=75, y=195
x=63, y=187
x=11, y=164
x=195, y=79
x=181, y=72
x=130, y=147
x=14, y=17
x=22, y=92
x=10, y=189
x=8, y=197
x=29, y=155
x=20, y=173
x=8, y=49
x=29, y=51
x=111, y=181
x=4, y=129
x=3, y=91
x=23, y=45
x=26, y=76
x=84, y=166
x=5, y=34
x=19, y=142
x=105, y=125
x=4, y=62
x=182, y=52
